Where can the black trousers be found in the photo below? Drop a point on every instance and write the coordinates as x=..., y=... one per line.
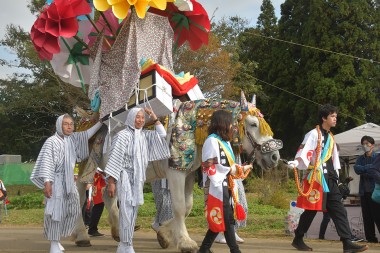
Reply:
x=229, y=222
x=371, y=216
x=96, y=213
x=325, y=222
x=335, y=209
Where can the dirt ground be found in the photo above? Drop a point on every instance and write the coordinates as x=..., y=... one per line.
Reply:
x=30, y=239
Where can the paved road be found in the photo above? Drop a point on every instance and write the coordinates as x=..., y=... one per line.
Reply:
x=30, y=240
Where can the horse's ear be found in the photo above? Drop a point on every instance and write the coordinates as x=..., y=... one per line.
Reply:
x=253, y=102
x=243, y=102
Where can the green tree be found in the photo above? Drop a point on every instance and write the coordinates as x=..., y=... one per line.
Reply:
x=230, y=32
x=211, y=65
x=350, y=28
x=256, y=48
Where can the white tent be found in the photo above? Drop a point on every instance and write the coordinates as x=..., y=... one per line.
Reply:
x=350, y=148
x=349, y=141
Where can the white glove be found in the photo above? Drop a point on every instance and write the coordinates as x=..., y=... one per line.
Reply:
x=233, y=169
x=247, y=167
x=293, y=164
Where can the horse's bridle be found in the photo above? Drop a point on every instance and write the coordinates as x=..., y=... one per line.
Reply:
x=267, y=146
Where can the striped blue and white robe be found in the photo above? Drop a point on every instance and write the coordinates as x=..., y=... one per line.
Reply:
x=130, y=177
x=62, y=208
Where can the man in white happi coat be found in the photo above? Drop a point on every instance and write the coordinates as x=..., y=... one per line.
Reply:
x=319, y=151
x=54, y=172
x=131, y=150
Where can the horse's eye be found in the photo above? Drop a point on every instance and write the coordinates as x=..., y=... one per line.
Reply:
x=253, y=124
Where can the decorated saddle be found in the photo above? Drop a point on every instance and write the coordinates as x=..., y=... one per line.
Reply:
x=190, y=128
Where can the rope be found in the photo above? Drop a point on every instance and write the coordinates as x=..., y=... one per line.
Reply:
x=145, y=98
x=239, y=175
x=315, y=48
x=316, y=165
x=311, y=101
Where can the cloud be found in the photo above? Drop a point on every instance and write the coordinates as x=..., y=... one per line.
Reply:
x=15, y=12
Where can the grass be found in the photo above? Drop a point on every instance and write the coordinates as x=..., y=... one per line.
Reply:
x=263, y=218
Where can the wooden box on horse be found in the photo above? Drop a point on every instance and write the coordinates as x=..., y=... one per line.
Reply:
x=153, y=91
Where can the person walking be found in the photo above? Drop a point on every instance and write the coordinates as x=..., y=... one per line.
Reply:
x=370, y=209
x=54, y=172
x=131, y=150
x=220, y=170
x=97, y=198
x=319, y=153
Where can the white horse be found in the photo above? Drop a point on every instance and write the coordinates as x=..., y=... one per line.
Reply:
x=255, y=141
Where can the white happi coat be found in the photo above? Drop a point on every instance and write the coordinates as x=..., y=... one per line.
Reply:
x=307, y=151
x=56, y=163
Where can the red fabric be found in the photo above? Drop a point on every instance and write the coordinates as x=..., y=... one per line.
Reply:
x=57, y=19
x=315, y=200
x=177, y=88
x=199, y=24
x=215, y=214
x=240, y=213
x=99, y=183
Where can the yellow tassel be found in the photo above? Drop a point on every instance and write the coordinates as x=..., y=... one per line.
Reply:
x=264, y=127
x=198, y=135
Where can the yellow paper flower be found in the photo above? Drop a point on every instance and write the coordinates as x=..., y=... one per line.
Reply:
x=120, y=8
x=101, y=5
x=159, y=4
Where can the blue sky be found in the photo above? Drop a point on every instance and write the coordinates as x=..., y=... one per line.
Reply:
x=16, y=12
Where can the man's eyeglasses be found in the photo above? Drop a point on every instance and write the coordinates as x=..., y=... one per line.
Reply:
x=68, y=124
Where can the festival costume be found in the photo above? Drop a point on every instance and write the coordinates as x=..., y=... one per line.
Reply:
x=56, y=163
x=326, y=194
x=131, y=151
x=218, y=198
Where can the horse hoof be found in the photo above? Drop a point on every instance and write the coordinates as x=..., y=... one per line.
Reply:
x=161, y=240
x=83, y=243
x=188, y=245
x=189, y=251
x=116, y=238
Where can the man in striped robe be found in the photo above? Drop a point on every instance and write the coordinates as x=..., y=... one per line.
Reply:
x=131, y=150
x=54, y=172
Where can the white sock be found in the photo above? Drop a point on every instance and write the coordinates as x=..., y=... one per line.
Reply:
x=238, y=238
x=124, y=248
x=220, y=238
x=54, y=247
x=130, y=249
x=60, y=246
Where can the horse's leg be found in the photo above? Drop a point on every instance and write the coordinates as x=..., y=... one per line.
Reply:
x=80, y=235
x=113, y=214
x=189, y=186
x=177, y=226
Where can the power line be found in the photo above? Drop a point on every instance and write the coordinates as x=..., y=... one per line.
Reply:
x=309, y=100
x=316, y=48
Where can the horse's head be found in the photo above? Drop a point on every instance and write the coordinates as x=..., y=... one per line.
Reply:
x=257, y=139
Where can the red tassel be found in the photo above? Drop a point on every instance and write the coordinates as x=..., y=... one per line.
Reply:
x=240, y=213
